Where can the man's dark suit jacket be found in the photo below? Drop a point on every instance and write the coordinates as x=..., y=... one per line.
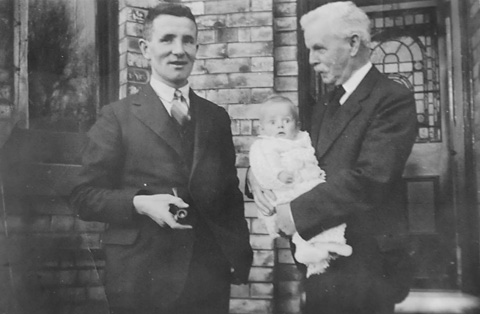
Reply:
x=363, y=152
x=135, y=148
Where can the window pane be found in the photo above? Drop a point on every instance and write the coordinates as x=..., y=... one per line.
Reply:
x=62, y=64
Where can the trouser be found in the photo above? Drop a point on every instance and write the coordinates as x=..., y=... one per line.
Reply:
x=367, y=282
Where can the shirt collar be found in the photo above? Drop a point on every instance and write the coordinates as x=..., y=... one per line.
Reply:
x=352, y=83
x=166, y=92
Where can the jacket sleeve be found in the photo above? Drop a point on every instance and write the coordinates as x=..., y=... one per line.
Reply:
x=386, y=145
x=97, y=195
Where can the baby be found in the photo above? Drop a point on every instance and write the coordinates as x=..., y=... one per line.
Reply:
x=283, y=160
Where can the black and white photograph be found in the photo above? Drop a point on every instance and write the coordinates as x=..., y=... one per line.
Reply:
x=239, y=157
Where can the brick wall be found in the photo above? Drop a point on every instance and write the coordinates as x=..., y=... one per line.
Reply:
x=247, y=51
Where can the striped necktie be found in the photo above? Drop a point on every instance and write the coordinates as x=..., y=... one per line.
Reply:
x=180, y=108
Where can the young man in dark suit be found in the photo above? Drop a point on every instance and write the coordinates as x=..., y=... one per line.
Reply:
x=363, y=136
x=166, y=140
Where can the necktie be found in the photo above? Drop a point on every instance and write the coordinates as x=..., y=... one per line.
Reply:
x=180, y=108
x=334, y=99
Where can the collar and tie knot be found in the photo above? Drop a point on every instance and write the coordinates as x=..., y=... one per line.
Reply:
x=336, y=95
x=180, y=108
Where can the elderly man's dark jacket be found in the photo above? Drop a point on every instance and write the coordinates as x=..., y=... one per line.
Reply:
x=135, y=148
x=363, y=152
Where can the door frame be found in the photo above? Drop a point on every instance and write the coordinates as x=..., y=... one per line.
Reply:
x=459, y=117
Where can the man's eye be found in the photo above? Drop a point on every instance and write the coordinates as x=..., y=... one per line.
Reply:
x=166, y=39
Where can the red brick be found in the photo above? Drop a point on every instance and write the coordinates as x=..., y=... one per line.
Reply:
x=226, y=35
x=140, y=3
x=261, y=5
x=132, y=44
x=293, y=96
x=136, y=60
x=243, y=143
x=286, y=83
x=227, y=65
x=206, y=37
x=261, y=290
x=262, y=64
x=245, y=127
x=212, y=51
x=285, y=53
x=244, y=34
x=138, y=75
x=260, y=94
x=256, y=49
x=133, y=29
x=287, y=68
x=285, y=23
x=288, y=38
x=209, y=81
x=249, y=19
x=242, y=160
x=250, y=209
x=210, y=21
x=229, y=96
x=263, y=79
x=135, y=15
x=285, y=9
x=226, y=6
x=264, y=33
x=197, y=7
x=263, y=258
x=244, y=111
x=261, y=242
x=243, y=306
x=261, y=274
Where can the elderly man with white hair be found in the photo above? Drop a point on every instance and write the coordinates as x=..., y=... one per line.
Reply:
x=363, y=133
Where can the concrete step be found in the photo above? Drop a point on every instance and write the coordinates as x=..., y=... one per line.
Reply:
x=441, y=302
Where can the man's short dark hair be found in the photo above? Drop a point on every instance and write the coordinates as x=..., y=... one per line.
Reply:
x=174, y=9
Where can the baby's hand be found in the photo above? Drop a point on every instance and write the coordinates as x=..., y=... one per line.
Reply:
x=285, y=176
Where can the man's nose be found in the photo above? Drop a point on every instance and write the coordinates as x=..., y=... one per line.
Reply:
x=178, y=47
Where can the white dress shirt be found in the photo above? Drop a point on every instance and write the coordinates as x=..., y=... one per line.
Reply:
x=352, y=83
x=166, y=93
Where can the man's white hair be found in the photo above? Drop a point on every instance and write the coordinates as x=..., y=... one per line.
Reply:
x=344, y=19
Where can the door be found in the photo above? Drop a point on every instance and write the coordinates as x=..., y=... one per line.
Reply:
x=409, y=45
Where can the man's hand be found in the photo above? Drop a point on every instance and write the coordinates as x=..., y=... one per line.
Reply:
x=157, y=207
x=285, y=224
x=261, y=196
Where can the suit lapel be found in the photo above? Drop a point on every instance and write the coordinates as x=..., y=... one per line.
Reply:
x=345, y=113
x=203, y=127
x=150, y=110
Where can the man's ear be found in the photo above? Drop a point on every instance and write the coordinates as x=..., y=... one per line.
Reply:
x=355, y=43
x=143, y=44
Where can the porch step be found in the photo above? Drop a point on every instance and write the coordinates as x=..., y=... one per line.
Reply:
x=441, y=302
